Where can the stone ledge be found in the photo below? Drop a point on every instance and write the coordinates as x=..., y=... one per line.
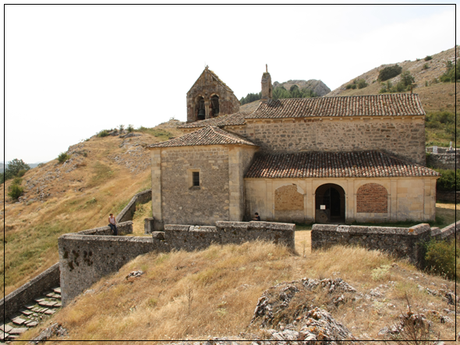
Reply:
x=360, y=229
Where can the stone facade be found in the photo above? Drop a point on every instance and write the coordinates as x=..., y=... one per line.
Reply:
x=210, y=97
x=220, y=194
x=401, y=137
x=293, y=199
x=328, y=159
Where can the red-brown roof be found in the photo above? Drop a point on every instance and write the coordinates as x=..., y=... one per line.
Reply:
x=205, y=136
x=334, y=164
x=399, y=104
x=220, y=121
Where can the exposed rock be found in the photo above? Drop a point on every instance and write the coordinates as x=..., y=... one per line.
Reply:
x=54, y=329
x=317, y=86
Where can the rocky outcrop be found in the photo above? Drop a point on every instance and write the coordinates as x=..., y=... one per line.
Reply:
x=317, y=86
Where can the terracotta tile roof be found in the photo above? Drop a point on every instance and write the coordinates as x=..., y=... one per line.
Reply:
x=396, y=104
x=220, y=121
x=205, y=136
x=334, y=164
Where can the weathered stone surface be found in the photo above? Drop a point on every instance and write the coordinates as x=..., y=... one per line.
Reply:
x=19, y=330
x=401, y=242
x=26, y=293
x=54, y=329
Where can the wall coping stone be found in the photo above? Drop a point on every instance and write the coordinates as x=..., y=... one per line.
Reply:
x=103, y=229
x=450, y=230
x=176, y=227
x=361, y=229
x=107, y=238
x=256, y=225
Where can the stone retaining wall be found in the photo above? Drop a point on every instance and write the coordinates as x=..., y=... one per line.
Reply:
x=443, y=160
x=400, y=242
x=128, y=212
x=448, y=233
x=30, y=290
x=86, y=259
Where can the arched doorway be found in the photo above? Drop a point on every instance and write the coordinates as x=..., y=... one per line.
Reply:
x=330, y=204
x=214, y=105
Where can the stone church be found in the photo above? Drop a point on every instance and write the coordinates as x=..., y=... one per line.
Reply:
x=325, y=159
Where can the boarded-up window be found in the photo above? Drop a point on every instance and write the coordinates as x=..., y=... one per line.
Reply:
x=372, y=198
x=287, y=198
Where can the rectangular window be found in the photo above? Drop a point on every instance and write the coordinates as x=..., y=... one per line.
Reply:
x=196, y=178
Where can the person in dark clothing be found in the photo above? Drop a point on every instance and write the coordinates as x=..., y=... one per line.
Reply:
x=256, y=217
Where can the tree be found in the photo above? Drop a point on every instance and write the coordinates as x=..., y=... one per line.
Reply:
x=16, y=167
x=407, y=78
x=389, y=72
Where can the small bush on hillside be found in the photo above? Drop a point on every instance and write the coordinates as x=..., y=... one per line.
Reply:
x=452, y=74
x=389, y=72
x=440, y=258
x=428, y=58
x=17, y=180
x=425, y=66
x=130, y=128
x=15, y=191
x=103, y=133
x=357, y=83
x=63, y=157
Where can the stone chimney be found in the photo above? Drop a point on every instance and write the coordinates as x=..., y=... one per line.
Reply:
x=266, y=86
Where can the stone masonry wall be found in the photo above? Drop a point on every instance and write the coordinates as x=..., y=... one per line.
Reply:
x=443, y=160
x=401, y=242
x=85, y=259
x=182, y=203
x=128, y=211
x=199, y=237
x=30, y=290
x=403, y=137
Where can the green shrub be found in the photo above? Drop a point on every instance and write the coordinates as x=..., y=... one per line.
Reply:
x=103, y=133
x=440, y=258
x=428, y=58
x=15, y=191
x=130, y=128
x=63, y=157
x=362, y=84
x=449, y=181
x=425, y=66
x=389, y=72
x=17, y=180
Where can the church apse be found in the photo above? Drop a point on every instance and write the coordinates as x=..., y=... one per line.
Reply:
x=210, y=97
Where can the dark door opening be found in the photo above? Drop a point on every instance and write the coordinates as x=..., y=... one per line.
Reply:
x=330, y=204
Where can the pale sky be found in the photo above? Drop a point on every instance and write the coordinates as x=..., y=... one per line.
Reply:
x=74, y=70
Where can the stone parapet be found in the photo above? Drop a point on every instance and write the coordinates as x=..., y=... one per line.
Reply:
x=84, y=259
x=128, y=211
x=400, y=242
x=446, y=234
x=123, y=229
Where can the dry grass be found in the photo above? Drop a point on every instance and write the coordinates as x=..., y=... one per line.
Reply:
x=213, y=292
x=79, y=199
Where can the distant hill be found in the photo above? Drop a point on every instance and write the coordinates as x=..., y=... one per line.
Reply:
x=317, y=86
x=435, y=96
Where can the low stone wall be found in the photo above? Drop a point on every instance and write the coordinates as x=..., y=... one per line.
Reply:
x=445, y=196
x=124, y=228
x=448, y=233
x=190, y=238
x=400, y=242
x=85, y=259
x=128, y=212
x=30, y=290
x=443, y=160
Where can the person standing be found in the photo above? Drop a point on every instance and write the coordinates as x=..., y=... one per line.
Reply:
x=113, y=224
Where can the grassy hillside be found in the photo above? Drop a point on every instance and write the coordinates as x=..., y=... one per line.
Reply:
x=101, y=176
x=213, y=293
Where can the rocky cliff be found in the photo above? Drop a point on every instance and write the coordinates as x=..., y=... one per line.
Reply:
x=316, y=86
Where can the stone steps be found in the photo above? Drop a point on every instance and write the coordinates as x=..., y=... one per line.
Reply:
x=31, y=315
